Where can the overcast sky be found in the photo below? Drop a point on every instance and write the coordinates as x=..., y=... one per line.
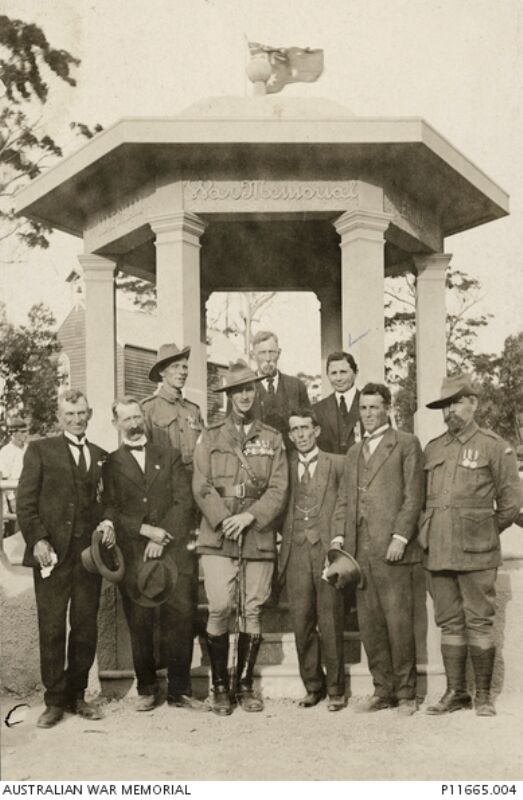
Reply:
x=456, y=63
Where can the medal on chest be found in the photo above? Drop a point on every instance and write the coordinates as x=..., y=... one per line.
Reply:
x=469, y=458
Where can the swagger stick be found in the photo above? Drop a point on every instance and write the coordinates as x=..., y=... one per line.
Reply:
x=240, y=612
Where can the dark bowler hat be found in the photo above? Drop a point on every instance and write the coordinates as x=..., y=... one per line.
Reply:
x=343, y=569
x=154, y=582
x=17, y=424
x=454, y=387
x=239, y=374
x=166, y=355
x=107, y=562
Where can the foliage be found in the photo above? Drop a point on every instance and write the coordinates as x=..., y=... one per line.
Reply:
x=29, y=368
x=143, y=293
x=240, y=319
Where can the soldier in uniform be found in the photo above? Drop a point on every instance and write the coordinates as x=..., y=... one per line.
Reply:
x=174, y=422
x=240, y=483
x=473, y=493
x=170, y=419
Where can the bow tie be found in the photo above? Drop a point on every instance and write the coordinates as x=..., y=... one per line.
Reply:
x=134, y=448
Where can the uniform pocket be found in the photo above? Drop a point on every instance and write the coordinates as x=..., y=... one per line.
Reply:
x=434, y=475
x=423, y=526
x=479, y=530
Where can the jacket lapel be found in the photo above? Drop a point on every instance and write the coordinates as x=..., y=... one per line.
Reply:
x=321, y=474
x=129, y=466
x=154, y=461
x=381, y=454
x=332, y=416
x=65, y=457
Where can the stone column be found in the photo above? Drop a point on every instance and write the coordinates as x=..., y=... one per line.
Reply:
x=178, y=293
x=431, y=345
x=100, y=346
x=362, y=275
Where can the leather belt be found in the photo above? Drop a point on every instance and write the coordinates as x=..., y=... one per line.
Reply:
x=240, y=491
x=459, y=502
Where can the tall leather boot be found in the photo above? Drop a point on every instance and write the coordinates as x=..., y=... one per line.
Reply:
x=218, y=647
x=483, y=664
x=248, y=648
x=456, y=697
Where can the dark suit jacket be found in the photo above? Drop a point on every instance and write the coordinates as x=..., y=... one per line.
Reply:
x=46, y=506
x=161, y=496
x=326, y=411
x=328, y=473
x=291, y=394
x=395, y=495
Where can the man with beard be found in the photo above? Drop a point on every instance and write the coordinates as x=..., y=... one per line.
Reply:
x=147, y=496
x=240, y=482
x=473, y=493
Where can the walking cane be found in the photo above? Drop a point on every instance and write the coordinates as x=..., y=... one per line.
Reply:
x=240, y=612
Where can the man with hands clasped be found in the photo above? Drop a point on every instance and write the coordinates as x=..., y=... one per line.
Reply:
x=58, y=508
x=240, y=481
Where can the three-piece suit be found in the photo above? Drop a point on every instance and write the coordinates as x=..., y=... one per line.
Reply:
x=58, y=502
x=316, y=607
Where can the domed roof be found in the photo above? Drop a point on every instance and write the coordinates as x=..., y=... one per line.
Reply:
x=266, y=107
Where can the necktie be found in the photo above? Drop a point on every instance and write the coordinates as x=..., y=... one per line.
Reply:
x=82, y=463
x=270, y=385
x=343, y=410
x=306, y=477
x=366, y=446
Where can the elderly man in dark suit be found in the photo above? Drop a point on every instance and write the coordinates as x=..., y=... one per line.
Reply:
x=276, y=394
x=58, y=510
x=338, y=414
x=316, y=606
x=147, y=495
x=376, y=516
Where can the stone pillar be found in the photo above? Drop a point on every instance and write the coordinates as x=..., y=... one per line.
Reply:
x=362, y=275
x=330, y=322
x=431, y=345
x=100, y=346
x=178, y=293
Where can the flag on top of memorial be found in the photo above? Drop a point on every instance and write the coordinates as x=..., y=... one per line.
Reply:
x=289, y=64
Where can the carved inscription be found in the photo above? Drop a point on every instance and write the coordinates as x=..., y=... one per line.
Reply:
x=263, y=190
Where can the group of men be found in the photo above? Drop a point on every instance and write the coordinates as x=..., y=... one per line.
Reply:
x=334, y=487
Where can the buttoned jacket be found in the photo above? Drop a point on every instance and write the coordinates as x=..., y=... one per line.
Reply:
x=326, y=411
x=223, y=487
x=393, y=495
x=473, y=493
x=171, y=422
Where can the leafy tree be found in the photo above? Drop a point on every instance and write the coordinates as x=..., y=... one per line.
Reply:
x=462, y=326
x=240, y=320
x=29, y=369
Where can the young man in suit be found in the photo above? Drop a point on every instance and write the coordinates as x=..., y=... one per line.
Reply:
x=276, y=393
x=338, y=414
x=58, y=509
x=147, y=496
x=380, y=497
x=316, y=606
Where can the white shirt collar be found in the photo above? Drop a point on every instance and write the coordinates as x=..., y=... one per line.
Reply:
x=275, y=378
x=310, y=456
x=377, y=433
x=141, y=442
x=81, y=441
x=349, y=396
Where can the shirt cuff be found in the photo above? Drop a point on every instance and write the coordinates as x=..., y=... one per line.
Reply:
x=338, y=540
x=400, y=538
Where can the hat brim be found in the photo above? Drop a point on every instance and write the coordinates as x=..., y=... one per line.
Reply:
x=154, y=374
x=153, y=602
x=334, y=552
x=446, y=400
x=93, y=562
x=241, y=382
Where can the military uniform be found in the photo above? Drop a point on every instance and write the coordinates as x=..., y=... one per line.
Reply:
x=473, y=494
x=172, y=421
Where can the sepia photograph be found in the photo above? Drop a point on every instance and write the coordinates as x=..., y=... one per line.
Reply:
x=261, y=394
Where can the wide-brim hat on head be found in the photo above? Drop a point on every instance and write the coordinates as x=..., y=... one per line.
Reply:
x=454, y=387
x=17, y=423
x=343, y=569
x=238, y=375
x=165, y=356
x=102, y=560
x=154, y=582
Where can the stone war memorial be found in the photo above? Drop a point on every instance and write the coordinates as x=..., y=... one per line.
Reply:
x=265, y=193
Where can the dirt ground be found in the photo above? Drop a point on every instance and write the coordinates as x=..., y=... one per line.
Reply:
x=282, y=743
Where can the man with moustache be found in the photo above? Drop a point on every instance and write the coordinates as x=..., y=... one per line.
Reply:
x=276, y=393
x=473, y=493
x=58, y=509
x=240, y=482
x=147, y=496
x=316, y=606
x=376, y=515
x=338, y=414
